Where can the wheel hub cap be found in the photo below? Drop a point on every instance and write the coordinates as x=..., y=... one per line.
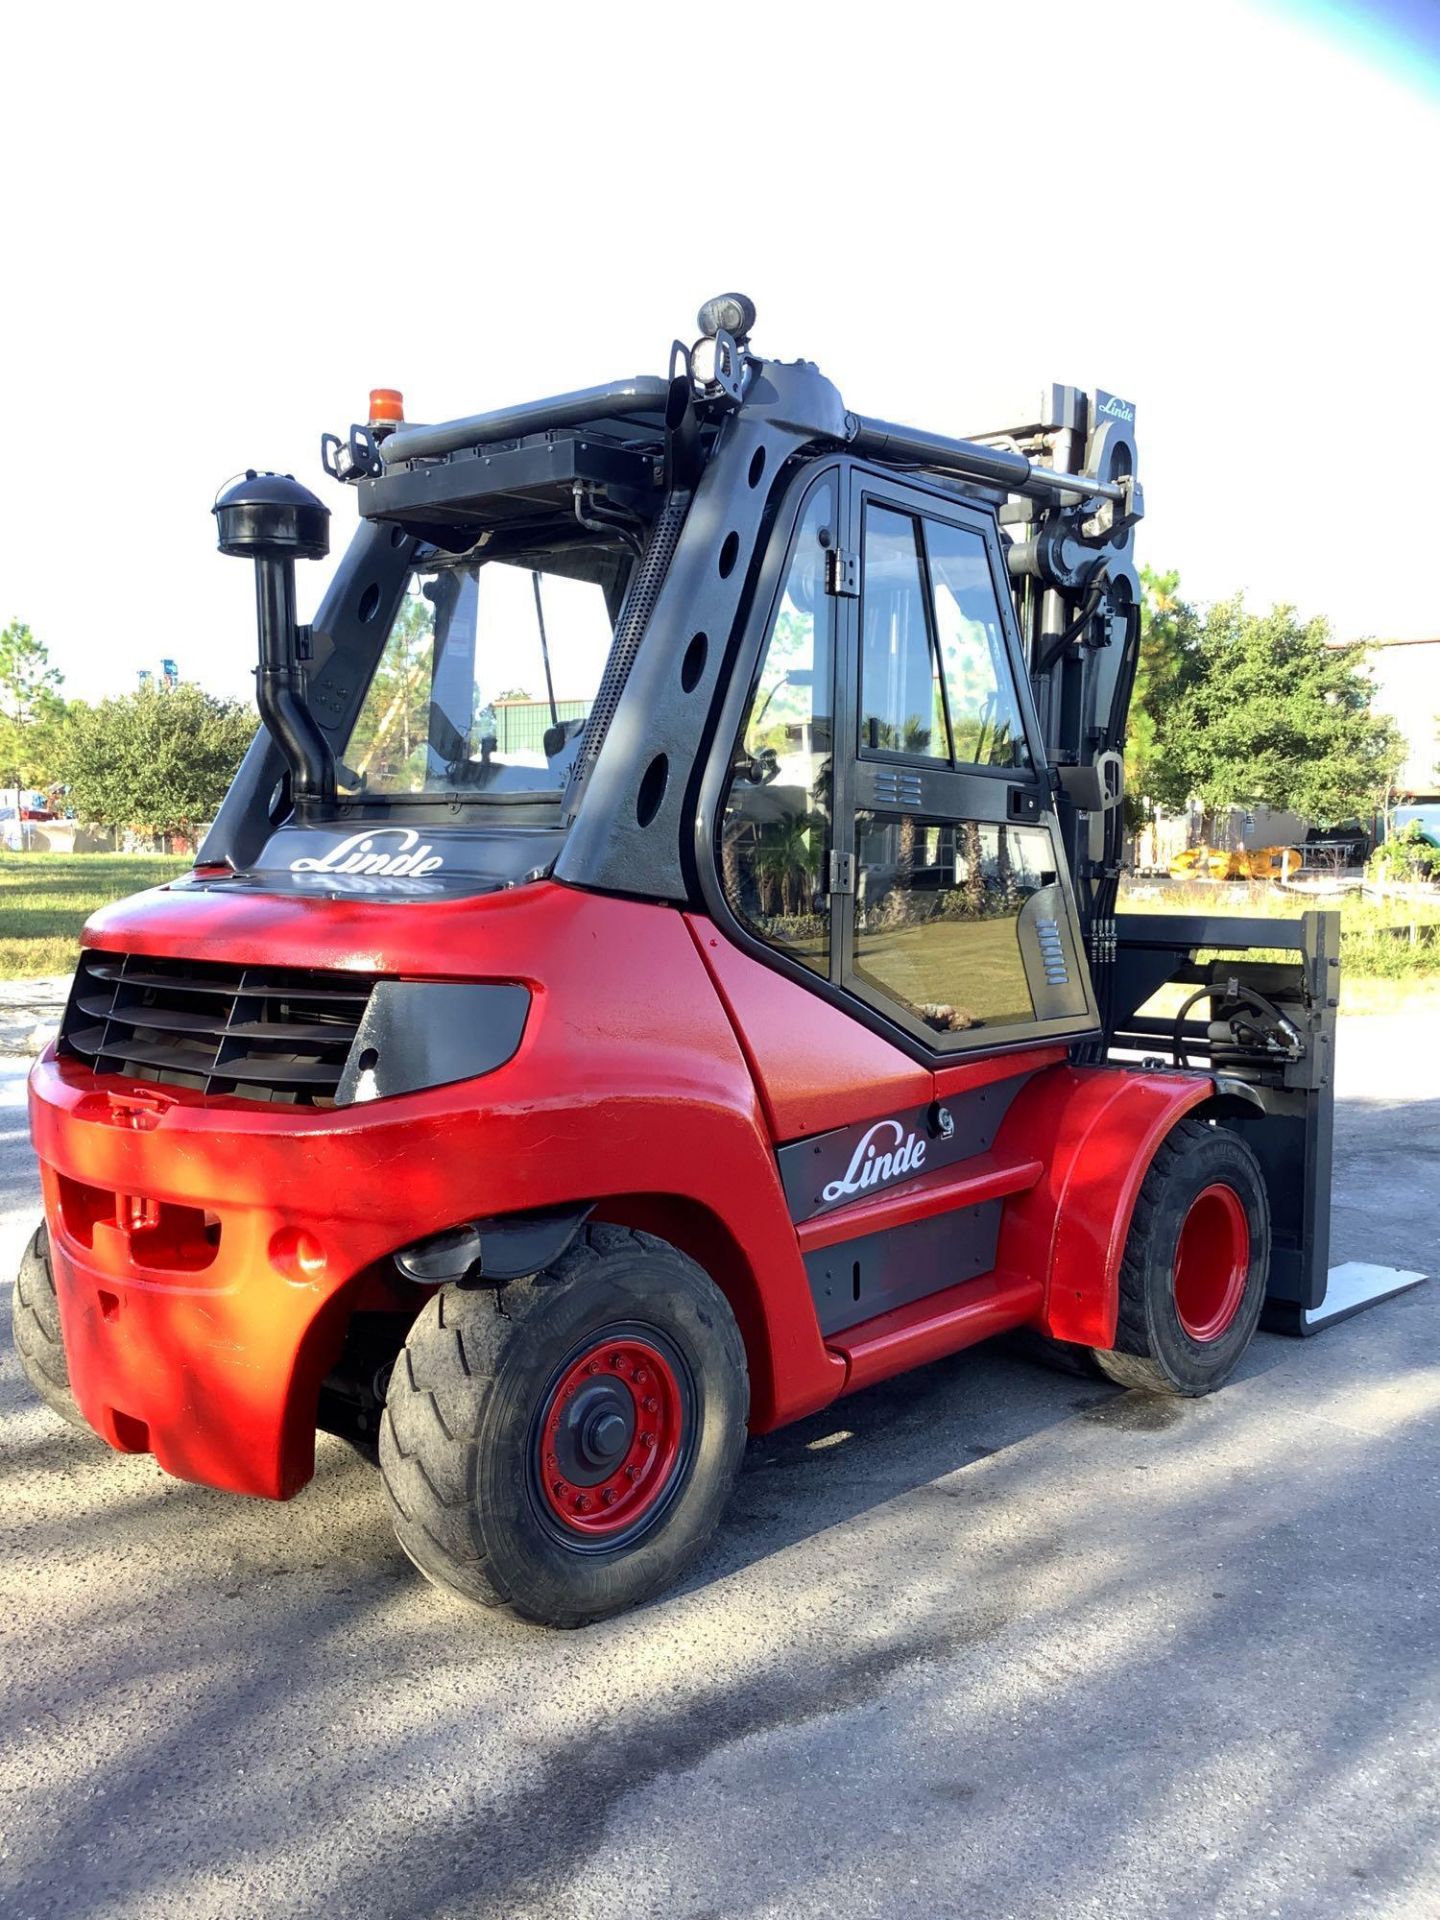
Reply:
x=610, y=1436
x=1212, y=1262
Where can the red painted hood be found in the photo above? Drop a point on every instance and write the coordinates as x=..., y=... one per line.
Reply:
x=439, y=939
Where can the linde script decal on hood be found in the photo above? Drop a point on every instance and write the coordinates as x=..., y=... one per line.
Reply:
x=391, y=861
x=390, y=851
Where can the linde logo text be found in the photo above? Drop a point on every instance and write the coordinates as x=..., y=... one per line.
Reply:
x=358, y=854
x=1118, y=409
x=869, y=1165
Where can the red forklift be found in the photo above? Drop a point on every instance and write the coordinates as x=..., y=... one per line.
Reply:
x=657, y=971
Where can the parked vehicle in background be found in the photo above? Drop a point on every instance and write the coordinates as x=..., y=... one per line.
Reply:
x=1339, y=847
x=1423, y=817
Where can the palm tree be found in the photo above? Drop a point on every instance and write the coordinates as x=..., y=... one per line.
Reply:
x=975, y=902
x=1004, y=871
x=787, y=861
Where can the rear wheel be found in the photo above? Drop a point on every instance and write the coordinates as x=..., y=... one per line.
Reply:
x=35, y=1328
x=566, y=1443
x=1193, y=1278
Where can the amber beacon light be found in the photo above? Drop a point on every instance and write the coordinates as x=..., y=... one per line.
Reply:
x=387, y=407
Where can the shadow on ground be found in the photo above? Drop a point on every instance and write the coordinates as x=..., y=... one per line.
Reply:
x=987, y=1640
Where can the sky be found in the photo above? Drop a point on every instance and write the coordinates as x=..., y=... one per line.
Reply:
x=222, y=226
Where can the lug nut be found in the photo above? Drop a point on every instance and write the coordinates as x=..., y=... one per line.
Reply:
x=652, y=1405
x=559, y=1489
x=594, y=1367
x=608, y=1496
x=647, y=1440
x=582, y=1503
x=617, y=1361
x=632, y=1473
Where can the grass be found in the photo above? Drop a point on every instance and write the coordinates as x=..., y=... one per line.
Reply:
x=45, y=899
x=1389, y=948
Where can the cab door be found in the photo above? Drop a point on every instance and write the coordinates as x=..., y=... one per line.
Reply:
x=952, y=912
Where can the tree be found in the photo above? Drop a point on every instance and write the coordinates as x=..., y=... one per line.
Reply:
x=30, y=707
x=1253, y=710
x=391, y=734
x=1267, y=711
x=1169, y=634
x=159, y=759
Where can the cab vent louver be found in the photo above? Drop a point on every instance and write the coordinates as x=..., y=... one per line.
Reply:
x=260, y=1033
x=1052, y=953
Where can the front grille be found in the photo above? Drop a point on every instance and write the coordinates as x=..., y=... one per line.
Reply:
x=261, y=1033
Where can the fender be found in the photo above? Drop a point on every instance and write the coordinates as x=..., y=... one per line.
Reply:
x=502, y=1249
x=1096, y=1131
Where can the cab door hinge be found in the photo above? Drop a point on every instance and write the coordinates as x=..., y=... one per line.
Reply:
x=842, y=573
x=842, y=873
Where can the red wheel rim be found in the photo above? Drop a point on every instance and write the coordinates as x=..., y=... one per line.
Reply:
x=1212, y=1262
x=611, y=1437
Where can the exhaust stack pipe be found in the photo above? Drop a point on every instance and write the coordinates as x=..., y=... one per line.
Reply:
x=271, y=519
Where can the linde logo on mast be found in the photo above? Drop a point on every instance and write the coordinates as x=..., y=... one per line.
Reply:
x=870, y=1164
x=358, y=854
x=1111, y=408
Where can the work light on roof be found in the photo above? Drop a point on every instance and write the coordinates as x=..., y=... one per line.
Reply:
x=732, y=312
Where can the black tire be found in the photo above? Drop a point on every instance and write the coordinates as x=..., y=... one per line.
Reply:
x=35, y=1329
x=475, y=1409
x=1057, y=1356
x=1193, y=1278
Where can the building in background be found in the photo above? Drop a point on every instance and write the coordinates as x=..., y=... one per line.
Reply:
x=1407, y=688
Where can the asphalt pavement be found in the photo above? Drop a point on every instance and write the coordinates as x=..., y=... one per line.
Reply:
x=987, y=1641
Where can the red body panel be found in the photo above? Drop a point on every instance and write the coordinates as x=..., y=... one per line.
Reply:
x=632, y=1088
x=986, y=1176
x=815, y=1067
x=929, y=1329
x=628, y=1083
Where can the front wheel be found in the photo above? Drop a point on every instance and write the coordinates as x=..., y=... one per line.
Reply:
x=1196, y=1264
x=566, y=1443
x=35, y=1329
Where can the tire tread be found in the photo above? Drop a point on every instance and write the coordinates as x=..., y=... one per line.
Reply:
x=35, y=1330
x=451, y=1359
x=1131, y=1363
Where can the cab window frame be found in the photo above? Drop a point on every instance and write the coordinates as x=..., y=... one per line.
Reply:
x=822, y=961
x=948, y=511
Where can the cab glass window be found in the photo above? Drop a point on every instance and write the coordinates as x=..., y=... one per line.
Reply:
x=484, y=684
x=902, y=708
x=775, y=827
x=937, y=915
x=984, y=711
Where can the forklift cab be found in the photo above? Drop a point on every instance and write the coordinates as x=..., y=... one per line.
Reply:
x=884, y=828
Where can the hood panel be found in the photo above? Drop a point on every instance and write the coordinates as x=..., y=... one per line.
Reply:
x=249, y=922
x=390, y=860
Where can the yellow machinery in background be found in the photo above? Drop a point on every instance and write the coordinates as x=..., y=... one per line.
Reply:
x=1243, y=863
